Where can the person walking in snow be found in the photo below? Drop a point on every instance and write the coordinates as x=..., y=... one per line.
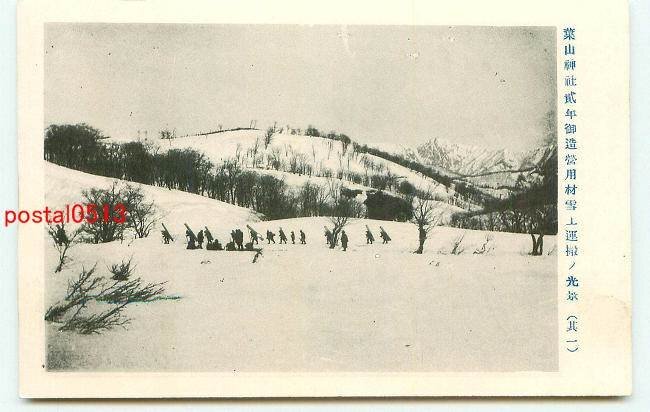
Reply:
x=283, y=237
x=303, y=239
x=384, y=235
x=235, y=240
x=191, y=239
x=328, y=237
x=369, y=237
x=208, y=236
x=239, y=240
x=293, y=238
x=270, y=237
x=344, y=240
x=199, y=239
x=254, y=236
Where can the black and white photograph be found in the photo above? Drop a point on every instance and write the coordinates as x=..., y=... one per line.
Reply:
x=300, y=198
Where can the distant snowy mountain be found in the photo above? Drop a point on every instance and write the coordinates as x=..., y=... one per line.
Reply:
x=468, y=160
x=496, y=172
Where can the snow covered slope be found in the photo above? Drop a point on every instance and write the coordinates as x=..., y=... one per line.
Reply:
x=310, y=308
x=304, y=156
x=64, y=186
x=495, y=172
x=466, y=160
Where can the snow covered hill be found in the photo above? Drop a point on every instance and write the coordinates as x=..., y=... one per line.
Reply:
x=376, y=307
x=305, y=157
x=64, y=186
x=309, y=307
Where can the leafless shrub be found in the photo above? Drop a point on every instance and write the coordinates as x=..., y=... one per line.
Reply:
x=125, y=292
x=486, y=247
x=96, y=322
x=142, y=215
x=63, y=241
x=258, y=253
x=79, y=293
x=121, y=271
x=457, y=247
x=81, y=308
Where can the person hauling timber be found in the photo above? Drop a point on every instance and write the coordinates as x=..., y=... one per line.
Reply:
x=344, y=240
x=166, y=235
x=270, y=237
x=214, y=245
x=328, y=236
x=199, y=239
x=255, y=237
x=208, y=236
x=191, y=238
x=303, y=240
x=233, y=242
x=239, y=239
x=384, y=235
x=230, y=246
x=369, y=237
x=283, y=237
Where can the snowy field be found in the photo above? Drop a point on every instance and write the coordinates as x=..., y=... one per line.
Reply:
x=371, y=308
x=309, y=308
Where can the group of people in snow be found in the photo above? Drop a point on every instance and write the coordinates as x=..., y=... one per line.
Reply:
x=370, y=239
x=270, y=236
x=195, y=241
x=331, y=238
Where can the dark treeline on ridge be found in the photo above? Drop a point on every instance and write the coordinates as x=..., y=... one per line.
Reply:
x=466, y=191
x=80, y=147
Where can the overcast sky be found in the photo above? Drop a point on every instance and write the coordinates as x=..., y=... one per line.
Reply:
x=392, y=84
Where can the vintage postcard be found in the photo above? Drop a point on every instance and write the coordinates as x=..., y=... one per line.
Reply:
x=265, y=199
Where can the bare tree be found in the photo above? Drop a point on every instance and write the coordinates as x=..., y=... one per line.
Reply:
x=101, y=229
x=426, y=217
x=231, y=171
x=343, y=210
x=268, y=136
x=339, y=223
x=539, y=220
x=254, y=150
x=142, y=216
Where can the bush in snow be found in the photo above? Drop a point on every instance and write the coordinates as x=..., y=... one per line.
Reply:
x=121, y=271
x=487, y=245
x=63, y=241
x=127, y=209
x=457, y=246
x=93, y=304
